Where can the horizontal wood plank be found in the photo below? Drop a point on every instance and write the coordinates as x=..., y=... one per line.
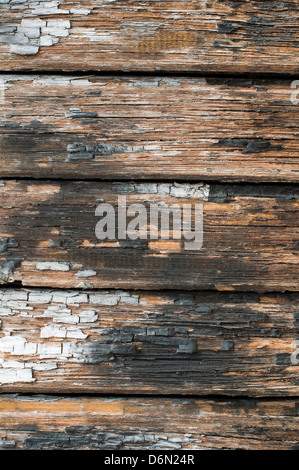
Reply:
x=40, y=423
x=148, y=36
x=125, y=128
x=134, y=342
x=250, y=236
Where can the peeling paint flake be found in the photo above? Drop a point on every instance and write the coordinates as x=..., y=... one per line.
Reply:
x=53, y=331
x=52, y=266
x=32, y=33
x=73, y=332
x=41, y=365
x=17, y=345
x=80, y=11
x=10, y=376
x=40, y=298
x=88, y=316
x=104, y=299
x=24, y=49
x=7, y=269
x=66, y=318
x=76, y=299
x=86, y=273
x=178, y=190
x=49, y=350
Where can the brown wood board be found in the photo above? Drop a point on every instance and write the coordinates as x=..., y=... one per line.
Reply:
x=138, y=342
x=250, y=236
x=144, y=128
x=180, y=36
x=45, y=422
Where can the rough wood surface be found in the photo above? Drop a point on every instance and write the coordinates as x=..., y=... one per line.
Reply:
x=250, y=237
x=146, y=342
x=99, y=423
x=214, y=36
x=142, y=128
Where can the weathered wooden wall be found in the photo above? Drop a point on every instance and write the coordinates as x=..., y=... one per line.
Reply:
x=174, y=102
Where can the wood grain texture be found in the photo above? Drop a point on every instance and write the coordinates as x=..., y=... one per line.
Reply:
x=250, y=238
x=198, y=343
x=141, y=128
x=147, y=36
x=97, y=423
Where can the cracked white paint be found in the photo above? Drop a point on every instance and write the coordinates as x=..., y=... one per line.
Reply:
x=39, y=298
x=107, y=298
x=63, y=317
x=60, y=339
x=86, y=273
x=54, y=331
x=17, y=345
x=52, y=266
x=104, y=299
x=80, y=11
x=50, y=331
x=13, y=295
x=10, y=376
x=41, y=365
x=48, y=351
x=4, y=311
x=33, y=32
x=88, y=316
x=178, y=190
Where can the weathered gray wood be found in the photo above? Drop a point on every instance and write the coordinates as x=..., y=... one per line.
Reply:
x=146, y=342
x=184, y=35
x=135, y=127
x=250, y=239
x=41, y=423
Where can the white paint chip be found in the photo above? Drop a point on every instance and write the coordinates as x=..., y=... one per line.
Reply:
x=40, y=298
x=73, y=332
x=9, y=376
x=88, y=316
x=24, y=49
x=17, y=345
x=52, y=266
x=53, y=331
x=104, y=299
x=86, y=273
x=47, y=41
x=49, y=350
x=65, y=318
x=41, y=365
